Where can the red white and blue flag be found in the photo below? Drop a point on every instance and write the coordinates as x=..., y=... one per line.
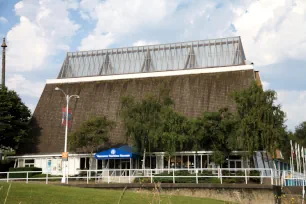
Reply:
x=64, y=115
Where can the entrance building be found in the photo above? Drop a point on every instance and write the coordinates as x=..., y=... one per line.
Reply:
x=124, y=157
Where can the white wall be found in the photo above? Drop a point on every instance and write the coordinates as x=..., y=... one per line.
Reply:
x=53, y=165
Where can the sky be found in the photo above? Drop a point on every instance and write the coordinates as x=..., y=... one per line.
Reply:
x=39, y=33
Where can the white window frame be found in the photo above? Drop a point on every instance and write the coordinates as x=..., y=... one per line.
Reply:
x=29, y=164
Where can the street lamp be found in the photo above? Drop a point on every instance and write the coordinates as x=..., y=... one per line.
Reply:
x=66, y=128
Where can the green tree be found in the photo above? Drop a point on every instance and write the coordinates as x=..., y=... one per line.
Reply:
x=152, y=124
x=300, y=134
x=260, y=122
x=141, y=120
x=173, y=131
x=91, y=135
x=284, y=144
x=212, y=131
x=14, y=119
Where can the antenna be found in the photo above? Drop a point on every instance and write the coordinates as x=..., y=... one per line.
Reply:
x=3, y=62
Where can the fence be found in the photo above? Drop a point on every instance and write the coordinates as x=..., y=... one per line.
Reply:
x=275, y=177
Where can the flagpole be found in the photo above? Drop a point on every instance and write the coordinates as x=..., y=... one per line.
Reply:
x=295, y=151
x=291, y=159
x=68, y=97
x=303, y=159
x=300, y=159
x=296, y=156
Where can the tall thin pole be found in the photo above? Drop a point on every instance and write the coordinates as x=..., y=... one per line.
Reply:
x=3, y=62
x=66, y=132
x=64, y=161
x=64, y=180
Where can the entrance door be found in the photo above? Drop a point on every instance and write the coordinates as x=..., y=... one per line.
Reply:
x=235, y=164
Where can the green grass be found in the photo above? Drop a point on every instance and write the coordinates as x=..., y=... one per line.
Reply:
x=22, y=193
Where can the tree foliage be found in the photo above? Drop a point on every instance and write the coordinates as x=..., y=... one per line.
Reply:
x=173, y=131
x=91, y=135
x=260, y=123
x=257, y=124
x=213, y=131
x=14, y=119
x=151, y=123
x=300, y=134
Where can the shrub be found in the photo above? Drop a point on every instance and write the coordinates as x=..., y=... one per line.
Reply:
x=24, y=175
x=142, y=180
x=191, y=179
x=235, y=179
x=208, y=179
x=5, y=165
x=255, y=173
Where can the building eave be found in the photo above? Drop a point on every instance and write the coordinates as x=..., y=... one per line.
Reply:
x=150, y=74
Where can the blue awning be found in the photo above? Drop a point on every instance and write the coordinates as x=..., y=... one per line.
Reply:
x=124, y=152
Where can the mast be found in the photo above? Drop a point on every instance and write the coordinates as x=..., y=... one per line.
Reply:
x=3, y=62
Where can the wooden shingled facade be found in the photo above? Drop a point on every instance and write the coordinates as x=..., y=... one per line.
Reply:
x=192, y=94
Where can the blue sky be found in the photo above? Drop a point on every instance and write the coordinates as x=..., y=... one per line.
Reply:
x=40, y=32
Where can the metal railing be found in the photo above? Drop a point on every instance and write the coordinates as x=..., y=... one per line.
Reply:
x=275, y=177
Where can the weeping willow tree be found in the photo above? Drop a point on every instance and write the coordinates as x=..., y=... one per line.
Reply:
x=257, y=124
x=211, y=132
x=152, y=124
x=141, y=120
x=173, y=131
x=260, y=122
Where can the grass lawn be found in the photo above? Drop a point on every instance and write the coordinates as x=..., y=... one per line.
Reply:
x=22, y=193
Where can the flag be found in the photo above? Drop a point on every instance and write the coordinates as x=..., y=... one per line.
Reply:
x=64, y=115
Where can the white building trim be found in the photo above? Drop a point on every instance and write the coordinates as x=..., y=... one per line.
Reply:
x=150, y=74
x=46, y=155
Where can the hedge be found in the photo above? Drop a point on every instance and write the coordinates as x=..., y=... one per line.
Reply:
x=24, y=175
x=169, y=179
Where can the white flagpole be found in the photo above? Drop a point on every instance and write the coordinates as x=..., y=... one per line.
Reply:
x=298, y=147
x=295, y=151
x=298, y=156
x=291, y=158
x=303, y=159
x=300, y=170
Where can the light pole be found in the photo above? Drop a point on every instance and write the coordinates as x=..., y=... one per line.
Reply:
x=66, y=128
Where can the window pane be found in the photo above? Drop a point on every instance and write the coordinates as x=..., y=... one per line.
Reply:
x=29, y=161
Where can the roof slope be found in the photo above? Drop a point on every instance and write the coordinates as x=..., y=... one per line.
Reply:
x=192, y=95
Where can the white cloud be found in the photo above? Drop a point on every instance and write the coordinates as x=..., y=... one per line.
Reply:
x=143, y=42
x=96, y=41
x=3, y=20
x=265, y=85
x=43, y=30
x=116, y=18
x=31, y=107
x=294, y=104
x=274, y=28
x=28, y=49
x=25, y=87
